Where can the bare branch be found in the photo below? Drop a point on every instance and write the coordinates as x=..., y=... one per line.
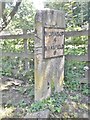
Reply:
x=6, y=20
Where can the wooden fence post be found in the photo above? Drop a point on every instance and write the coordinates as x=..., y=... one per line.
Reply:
x=49, y=48
x=26, y=51
x=2, y=7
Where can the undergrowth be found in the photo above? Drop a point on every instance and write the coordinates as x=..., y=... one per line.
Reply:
x=73, y=72
x=52, y=103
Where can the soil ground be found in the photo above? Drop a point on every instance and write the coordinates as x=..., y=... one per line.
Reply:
x=18, y=95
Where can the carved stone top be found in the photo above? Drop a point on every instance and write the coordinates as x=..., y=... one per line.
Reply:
x=51, y=18
x=48, y=19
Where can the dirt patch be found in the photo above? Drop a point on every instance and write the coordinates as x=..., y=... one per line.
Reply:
x=16, y=94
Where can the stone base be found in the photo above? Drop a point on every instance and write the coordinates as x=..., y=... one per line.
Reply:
x=40, y=114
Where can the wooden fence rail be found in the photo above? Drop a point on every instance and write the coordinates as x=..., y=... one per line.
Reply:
x=31, y=56
x=77, y=57
x=77, y=33
x=19, y=36
x=21, y=55
x=31, y=35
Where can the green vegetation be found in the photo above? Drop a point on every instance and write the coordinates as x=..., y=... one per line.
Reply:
x=52, y=103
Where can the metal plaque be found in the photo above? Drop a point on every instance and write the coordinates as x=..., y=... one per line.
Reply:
x=53, y=42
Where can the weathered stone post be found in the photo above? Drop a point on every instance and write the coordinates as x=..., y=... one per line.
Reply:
x=49, y=52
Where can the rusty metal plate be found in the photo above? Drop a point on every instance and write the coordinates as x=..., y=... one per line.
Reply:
x=53, y=42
